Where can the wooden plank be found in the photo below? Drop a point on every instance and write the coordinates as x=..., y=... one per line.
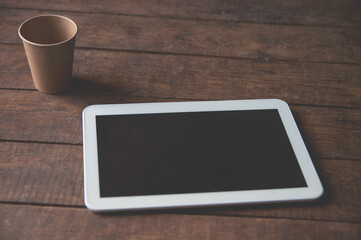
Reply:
x=185, y=77
x=32, y=116
x=220, y=39
x=32, y=222
x=53, y=174
x=41, y=173
x=308, y=12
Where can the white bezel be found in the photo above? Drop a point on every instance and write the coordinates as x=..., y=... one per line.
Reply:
x=92, y=197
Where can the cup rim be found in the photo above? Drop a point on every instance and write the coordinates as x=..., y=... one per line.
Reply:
x=47, y=44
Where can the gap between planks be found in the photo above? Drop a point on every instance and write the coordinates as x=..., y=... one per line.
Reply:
x=260, y=59
x=81, y=144
x=170, y=211
x=180, y=18
x=188, y=99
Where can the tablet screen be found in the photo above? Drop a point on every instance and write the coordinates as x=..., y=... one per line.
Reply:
x=193, y=152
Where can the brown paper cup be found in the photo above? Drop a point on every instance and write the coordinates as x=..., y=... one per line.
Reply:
x=49, y=42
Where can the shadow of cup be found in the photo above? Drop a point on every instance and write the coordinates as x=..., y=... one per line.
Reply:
x=49, y=42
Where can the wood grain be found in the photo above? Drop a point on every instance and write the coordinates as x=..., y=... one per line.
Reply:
x=308, y=12
x=53, y=174
x=41, y=173
x=305, y=52
x=18, y=222
x=208, y=38
x=185, y=77
x=32, y=116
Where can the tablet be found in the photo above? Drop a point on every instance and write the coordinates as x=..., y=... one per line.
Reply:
x=189, y=154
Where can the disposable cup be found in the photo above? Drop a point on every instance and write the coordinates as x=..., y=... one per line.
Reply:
x=49, y=42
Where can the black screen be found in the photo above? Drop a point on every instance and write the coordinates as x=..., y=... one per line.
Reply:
x=170, y=153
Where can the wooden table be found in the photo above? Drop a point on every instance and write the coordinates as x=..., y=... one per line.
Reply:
x=307, y=53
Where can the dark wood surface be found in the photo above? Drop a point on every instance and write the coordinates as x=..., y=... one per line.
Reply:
x=307, y=53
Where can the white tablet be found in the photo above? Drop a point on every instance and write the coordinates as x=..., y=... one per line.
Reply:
x=187, y=154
